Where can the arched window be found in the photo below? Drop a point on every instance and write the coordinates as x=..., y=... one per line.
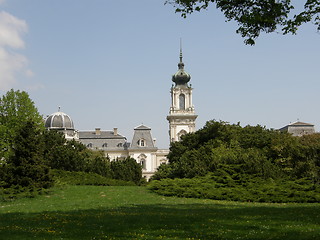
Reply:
x=143, y=163
x=181, y=133
x=105, y=145
x=142, y=160
x=142, y=143
x=182, y=102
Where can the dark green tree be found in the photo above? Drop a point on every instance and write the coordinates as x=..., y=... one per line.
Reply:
x=257, y=16
x=308, y=159
x=251, y=150
x=99, y=163
x=26, y=167
x=126, y=170
x=73, y=156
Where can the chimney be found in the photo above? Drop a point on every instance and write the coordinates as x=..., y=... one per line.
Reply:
x=115, y=131
x=98, y=131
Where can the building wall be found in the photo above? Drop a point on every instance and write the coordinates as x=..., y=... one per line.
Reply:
x=300, y=130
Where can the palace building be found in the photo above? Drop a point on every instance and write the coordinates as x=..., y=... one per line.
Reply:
x=142, y=147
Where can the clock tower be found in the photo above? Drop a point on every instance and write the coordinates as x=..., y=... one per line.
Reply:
x=181, y=116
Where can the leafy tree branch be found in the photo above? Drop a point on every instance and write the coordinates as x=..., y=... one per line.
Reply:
x=256, y=16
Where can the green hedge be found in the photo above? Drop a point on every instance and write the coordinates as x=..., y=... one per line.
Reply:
x=223, y=186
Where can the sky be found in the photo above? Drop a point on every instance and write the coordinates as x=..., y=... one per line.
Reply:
x=109, y=64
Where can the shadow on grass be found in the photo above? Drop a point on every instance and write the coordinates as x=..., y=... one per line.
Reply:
x=186, y=221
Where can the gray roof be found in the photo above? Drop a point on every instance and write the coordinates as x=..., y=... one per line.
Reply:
x=142, y=127
x=102, y=135
x=300, y=124
x=103, y=140
x=142, y=132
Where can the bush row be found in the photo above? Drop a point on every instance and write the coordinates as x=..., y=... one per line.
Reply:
x=220, y=185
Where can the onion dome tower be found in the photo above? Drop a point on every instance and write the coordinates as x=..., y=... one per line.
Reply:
x=181, y=77
x=61, y=122
x=181, y=116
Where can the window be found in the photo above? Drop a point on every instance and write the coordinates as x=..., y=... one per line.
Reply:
x=142, y=160
x=143, y=163
x=182, y=102
x=119, y=145
x=142, y=143
x=181, y=133
x=89, y=145
x=163, y=161
x=105, y=145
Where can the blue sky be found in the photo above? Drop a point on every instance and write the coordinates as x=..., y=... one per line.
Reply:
x=109, y=64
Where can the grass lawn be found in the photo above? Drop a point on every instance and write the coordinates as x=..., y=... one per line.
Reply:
x=98, y=212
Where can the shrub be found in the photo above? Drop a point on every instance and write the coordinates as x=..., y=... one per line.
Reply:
x=222, y=186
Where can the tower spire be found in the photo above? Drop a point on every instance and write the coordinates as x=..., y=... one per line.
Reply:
x=181, y=77
x=181, y=63
x=182, y=116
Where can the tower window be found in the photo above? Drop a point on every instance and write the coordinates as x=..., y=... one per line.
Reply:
x=181, y=133
x=182, y=102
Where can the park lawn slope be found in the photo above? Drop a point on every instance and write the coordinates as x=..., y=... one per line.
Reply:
x=130, y=212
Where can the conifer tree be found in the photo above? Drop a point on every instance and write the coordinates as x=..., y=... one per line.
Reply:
x=27, y=167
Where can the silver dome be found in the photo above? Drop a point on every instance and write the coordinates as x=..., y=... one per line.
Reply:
x=59, y=120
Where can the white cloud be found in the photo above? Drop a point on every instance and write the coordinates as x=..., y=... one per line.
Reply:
x=2, y=1
x=11, y=62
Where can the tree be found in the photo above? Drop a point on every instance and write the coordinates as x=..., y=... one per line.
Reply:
x=256, y=16
x=73, y=156
x=126, y=170
x=16, y=108
x=251, y=150
x=26, y=167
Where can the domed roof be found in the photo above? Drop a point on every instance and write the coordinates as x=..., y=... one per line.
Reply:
x=181, y=77
x=59, y=120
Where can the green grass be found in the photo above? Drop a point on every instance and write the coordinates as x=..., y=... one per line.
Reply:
x=129, y=212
